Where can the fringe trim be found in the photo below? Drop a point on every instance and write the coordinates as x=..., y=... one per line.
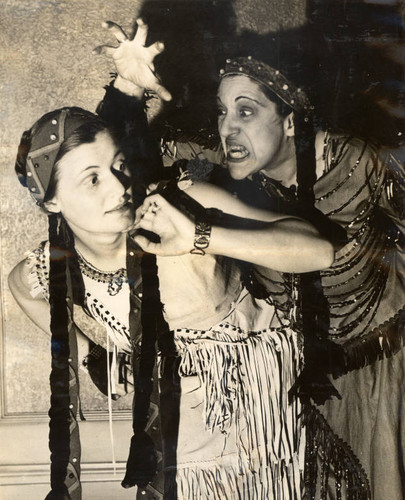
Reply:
x=246, y=384
x=383, y=341
x=329, y=461
x=38, y=274
x=116, y=331
x=276, y=481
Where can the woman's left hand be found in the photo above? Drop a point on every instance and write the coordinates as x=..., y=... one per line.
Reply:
x=133, y=60
x=175, y=230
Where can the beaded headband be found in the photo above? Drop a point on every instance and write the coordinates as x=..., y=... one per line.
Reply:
x=45, y=145
x=272, y=79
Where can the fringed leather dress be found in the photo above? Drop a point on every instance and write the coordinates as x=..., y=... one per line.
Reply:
x=239, y=436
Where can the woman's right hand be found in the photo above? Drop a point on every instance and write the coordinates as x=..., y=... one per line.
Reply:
x=134, y=61
x=174, y=229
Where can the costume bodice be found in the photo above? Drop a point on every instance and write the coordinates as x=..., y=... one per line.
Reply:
x=109, y=309
x=197, y=291
x=365, y=284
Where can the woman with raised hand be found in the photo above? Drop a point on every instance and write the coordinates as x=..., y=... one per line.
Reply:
x=352, y=313
x=239, y=355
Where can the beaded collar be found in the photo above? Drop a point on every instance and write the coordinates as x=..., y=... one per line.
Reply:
x=114, y=279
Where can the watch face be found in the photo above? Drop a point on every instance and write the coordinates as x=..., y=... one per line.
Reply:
x=202, y=241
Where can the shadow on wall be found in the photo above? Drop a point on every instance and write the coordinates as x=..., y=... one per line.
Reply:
x=195, y=33
x=348, y=56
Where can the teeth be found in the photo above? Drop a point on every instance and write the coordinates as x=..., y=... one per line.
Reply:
x=237, y=152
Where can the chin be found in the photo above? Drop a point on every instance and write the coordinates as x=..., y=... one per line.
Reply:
x=238, y=172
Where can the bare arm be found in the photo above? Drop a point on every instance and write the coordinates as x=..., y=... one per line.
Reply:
x=281, y=242
x=37, y=309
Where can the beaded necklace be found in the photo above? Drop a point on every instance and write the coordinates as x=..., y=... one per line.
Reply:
x=114, y=279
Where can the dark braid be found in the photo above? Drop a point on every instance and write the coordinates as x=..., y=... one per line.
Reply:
x=59, y=433
x=142, y=460
x=318, y=351
x=65, y=288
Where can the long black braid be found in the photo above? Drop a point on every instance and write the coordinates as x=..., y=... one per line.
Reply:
x=59, y=434
x=319, y=354
x=65, y=288
x=128, y=119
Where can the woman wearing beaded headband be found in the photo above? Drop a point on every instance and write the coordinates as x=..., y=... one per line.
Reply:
x=212, y=289
x=361, y=188
x=75, y=170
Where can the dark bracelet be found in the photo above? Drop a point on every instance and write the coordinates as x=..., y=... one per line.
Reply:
x=202, y=237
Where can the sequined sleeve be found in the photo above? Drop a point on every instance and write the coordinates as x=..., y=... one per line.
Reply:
x=364, y=286
x=393, y=196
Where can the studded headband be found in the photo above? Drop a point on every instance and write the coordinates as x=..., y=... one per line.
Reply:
x=271, y=78
x=45, y=145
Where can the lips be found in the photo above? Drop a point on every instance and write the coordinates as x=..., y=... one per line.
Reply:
x=236, y=152
x=121, y=207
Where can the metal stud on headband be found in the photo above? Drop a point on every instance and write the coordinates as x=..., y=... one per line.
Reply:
x=271, y=78
x=45, y=145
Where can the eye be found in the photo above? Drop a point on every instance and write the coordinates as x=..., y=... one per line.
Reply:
x=94, y=179
x=245, y=112
x=221, y=112
x=121, y=166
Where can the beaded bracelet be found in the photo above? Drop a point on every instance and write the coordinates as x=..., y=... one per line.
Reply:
x=202, y=237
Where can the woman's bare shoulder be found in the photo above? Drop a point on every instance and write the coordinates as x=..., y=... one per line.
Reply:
x=18, y=279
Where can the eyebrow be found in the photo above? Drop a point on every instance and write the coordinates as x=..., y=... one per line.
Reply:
x=250, y=99
x=90, y=167
x=97, y=166
x=219, y=101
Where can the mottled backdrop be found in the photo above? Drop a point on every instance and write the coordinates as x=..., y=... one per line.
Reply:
x=46, y=63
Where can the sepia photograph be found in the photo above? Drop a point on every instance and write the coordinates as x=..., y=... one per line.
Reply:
x=202, y=250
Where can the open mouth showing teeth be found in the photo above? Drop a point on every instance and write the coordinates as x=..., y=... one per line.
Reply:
x=237, y=152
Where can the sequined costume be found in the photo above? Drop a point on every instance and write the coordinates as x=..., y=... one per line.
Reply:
x=362, y=189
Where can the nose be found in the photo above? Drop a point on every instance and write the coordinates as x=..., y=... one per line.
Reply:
x=227, y=126
x=119, y=183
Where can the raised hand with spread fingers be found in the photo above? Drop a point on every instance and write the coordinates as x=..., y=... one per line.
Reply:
x=134, y=61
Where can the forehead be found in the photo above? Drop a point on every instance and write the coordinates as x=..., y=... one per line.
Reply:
x=235, y=86
x=101, y=151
